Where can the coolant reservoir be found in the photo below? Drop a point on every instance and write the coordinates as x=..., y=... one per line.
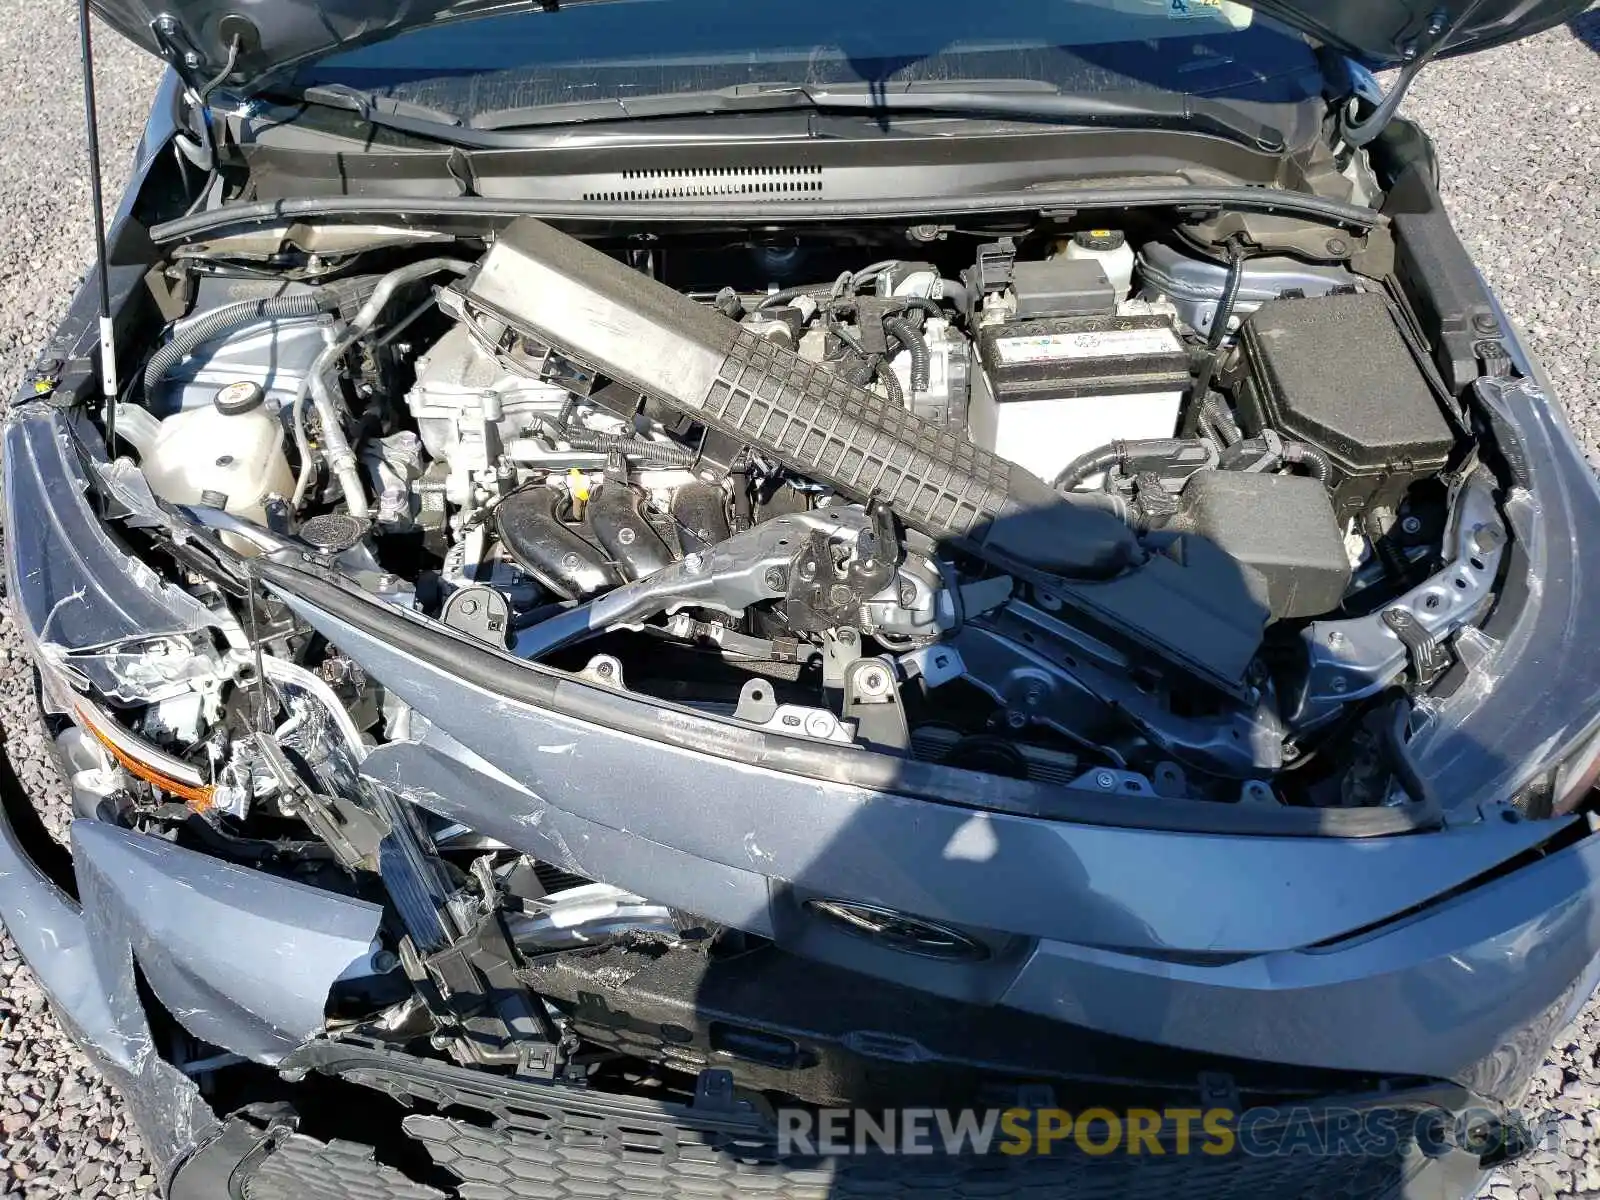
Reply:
x=228, y=454
x=1110, y=249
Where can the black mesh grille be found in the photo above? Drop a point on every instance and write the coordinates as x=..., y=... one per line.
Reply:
x=302, y=1168
x=673, y=183
x=569, y=1163
x=854, y=439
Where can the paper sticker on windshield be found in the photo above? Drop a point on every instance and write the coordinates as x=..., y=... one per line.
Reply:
x=1223, y=11
x=1106, y=343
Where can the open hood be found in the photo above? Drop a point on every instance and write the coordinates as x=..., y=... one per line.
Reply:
x=194, y=35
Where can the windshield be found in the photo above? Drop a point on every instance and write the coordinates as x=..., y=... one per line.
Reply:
x=610, y=49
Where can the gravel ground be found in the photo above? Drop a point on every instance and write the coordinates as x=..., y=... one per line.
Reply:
x=1526, y=204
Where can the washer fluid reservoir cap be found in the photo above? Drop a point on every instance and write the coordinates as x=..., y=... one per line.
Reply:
x=235, y=399
x=1099, y=239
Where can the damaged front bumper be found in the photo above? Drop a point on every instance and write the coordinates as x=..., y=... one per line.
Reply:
x=1392, y=954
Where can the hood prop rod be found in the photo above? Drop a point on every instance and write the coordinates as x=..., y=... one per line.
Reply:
x=91, y=129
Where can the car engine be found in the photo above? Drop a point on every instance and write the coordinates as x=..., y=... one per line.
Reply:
x=1118, y=505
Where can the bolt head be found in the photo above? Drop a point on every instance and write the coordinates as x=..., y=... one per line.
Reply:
x=570, y=561
x=1105, y=779
x=626, y=536
x=1411, y=525
x=470, y=606
x=874, y=681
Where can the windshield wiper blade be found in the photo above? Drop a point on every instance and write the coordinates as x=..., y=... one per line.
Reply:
x=1025, y=100
x=380, y=110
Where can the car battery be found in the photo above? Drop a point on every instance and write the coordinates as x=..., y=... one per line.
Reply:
x=1049, y=390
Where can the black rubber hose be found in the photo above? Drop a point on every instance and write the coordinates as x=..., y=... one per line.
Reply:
x=1222, y=315
x=1110, y=502
x=229, y=317
x=1301, y=454
x=921, y=304
x=1230, y=296
x=661, y=454
x=901, y=331
x=1092, y=463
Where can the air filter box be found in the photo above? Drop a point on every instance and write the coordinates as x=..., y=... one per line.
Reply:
x=1334, y=371
x=1280, y=528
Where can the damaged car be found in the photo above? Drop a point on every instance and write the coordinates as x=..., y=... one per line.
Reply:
x=605, y=574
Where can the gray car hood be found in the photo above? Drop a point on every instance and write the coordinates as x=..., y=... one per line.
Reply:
x=275, y=34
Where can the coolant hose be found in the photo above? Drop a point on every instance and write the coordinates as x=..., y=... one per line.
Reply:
x=341, y=458
x=229, y=317
x=900, y=329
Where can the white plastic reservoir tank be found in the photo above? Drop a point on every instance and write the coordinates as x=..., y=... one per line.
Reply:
x=228, y=454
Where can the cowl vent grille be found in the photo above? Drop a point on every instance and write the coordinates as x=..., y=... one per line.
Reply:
x=674, y=183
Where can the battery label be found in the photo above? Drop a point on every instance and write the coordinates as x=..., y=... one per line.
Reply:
x=1100, y=343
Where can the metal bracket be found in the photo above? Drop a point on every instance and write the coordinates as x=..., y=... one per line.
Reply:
x=177, y=47
x=758, y=706
x=606, y=670
x=353, y=834
x=1354, y=658
x=480, y=612
x=1427, y=657
x=872, y=699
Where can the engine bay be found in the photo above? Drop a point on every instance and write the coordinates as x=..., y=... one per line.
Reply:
x=1162, y=511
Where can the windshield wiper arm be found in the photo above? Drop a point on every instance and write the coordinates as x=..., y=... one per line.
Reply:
x=1025, y=100
x=380, y=110
x=1022, y=100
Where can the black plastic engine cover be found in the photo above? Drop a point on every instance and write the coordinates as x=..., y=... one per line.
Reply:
x=1280, y=527
x=1335, y=372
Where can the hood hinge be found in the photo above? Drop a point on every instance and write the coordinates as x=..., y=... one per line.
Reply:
x=178, y=48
